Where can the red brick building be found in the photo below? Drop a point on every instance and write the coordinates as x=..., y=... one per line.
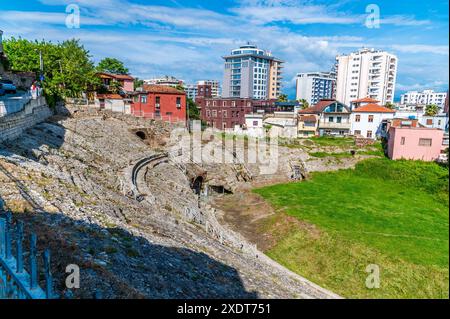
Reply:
x=160, y=102
x=226, y=113
x=222, y=113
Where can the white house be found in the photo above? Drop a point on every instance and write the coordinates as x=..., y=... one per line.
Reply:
x=439, y=121
x=333, y=117
x=112, y=102
x=367, y=120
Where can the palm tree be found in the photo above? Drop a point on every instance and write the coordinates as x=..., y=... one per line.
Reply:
x=304, y=104
x=390, y=105
x=283, y=98
x=431, y=110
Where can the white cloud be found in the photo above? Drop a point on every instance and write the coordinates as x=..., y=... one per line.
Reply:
x=421, y=48
x=189, y=42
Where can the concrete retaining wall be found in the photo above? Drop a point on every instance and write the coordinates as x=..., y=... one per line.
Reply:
x=34, y=112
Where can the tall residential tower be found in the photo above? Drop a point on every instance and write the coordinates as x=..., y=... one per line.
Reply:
x=315, y=86
x=366, y=73
x=252, y=73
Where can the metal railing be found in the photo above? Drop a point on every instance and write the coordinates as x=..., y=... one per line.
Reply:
x=15, y=281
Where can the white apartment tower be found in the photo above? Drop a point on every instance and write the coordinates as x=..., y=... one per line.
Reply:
x=424, y=98
x=366, y=73
x=315, y=86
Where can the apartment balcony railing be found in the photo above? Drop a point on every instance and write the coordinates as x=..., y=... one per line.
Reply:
x=331, y=125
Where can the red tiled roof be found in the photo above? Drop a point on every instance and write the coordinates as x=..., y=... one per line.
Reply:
x=308, y=118
x=373, y=108
x=116, y=76
x=109, y=96
x=318, y=108
x=161, y=89
x=366, y=100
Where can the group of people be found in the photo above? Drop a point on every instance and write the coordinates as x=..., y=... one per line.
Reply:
x=35, y=90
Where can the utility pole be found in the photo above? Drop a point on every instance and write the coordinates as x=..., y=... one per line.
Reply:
x=41, y=67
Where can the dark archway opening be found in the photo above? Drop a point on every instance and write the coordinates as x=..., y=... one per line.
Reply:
x=197, y=185
x=219, y=189
x=141, y=135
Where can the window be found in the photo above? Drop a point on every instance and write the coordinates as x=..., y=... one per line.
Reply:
x=370, y=118
x=358, y=119
x=224, y=114
x=143, y=98
x=369, y=134
x=429, y=121
x=403, y=140
x=178, y=102
x=158, y=102
x=214, y=113
x=339, y=119
x=233, y=103
x=425, y=142
x=255, y=123
x=357, y=132
x=331, y=119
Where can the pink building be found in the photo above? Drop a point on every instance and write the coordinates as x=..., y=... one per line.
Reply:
x=407, y=140
x=124, y=80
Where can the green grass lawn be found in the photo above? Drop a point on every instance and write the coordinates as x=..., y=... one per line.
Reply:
x=390, y=213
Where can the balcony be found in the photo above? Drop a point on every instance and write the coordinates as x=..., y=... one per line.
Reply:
x=334, y=125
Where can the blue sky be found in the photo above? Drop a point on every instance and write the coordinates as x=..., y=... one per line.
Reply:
x=187, y=38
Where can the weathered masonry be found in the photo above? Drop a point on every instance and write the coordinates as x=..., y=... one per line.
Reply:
x=13, y=125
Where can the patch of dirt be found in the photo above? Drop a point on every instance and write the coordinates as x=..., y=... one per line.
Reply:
x=250, y=215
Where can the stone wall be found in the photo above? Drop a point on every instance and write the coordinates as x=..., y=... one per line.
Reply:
x=34, y=112
x=22, y=80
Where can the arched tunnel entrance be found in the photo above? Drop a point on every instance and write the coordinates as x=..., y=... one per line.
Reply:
x=197, y=184
x=141, y=135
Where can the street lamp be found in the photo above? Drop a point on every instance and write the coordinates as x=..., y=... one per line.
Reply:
x=41, y=65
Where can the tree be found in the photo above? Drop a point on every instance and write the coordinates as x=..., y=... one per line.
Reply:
x=390, y=105
x=431, y=110
x=180, y=87
x=193, y=111
x=138, y=83
x=68, y=69
x=304, y=104
x=283, y=98
x=112, y=65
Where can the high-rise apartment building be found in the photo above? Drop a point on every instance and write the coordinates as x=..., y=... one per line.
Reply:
x=366, y=73
x=191, y=91
x=215, y=86
x=252, y=73
x=315, y=86
x=424, y=98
